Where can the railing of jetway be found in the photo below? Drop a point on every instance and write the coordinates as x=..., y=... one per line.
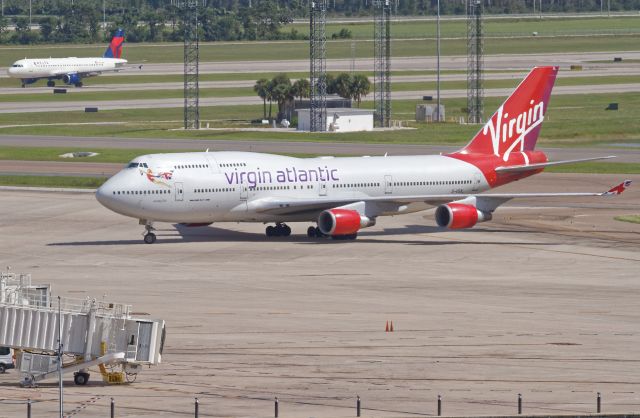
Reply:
x=16, y=288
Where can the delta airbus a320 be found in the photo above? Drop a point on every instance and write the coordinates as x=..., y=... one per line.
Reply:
x=343, y=195
x=70, y=70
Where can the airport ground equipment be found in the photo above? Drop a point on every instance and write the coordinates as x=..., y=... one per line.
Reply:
x=94, y=333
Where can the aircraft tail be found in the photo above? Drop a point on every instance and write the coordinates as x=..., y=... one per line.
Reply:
x=516, y=124
x=114, y=50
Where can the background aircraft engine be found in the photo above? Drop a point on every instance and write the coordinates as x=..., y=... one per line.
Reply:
x=71, y=78
x=459, y=216
x=336, y=222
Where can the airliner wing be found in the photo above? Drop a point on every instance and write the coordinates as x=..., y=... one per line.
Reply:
x=486, y=202
x=537, y=166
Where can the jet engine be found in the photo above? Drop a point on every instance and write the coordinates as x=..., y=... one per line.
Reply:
x=71, y=79
x=459, y=216
x=342, y=222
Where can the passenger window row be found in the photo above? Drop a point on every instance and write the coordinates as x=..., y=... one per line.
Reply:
x=431, y=183
x=176, y=167
x=117, y=192
x=224, y=189
x=356, y=185
x=233, y=165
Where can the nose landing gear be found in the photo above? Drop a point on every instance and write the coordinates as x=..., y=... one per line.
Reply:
x=280, y=230
x=149, y=236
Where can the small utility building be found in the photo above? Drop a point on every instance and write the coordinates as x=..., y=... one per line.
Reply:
x=340, y=120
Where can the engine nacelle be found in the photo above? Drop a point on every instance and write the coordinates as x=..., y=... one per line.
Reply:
x=71, y=79
x=459, y=216
x=336, y=222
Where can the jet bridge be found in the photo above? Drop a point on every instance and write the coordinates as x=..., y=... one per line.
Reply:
x=93, y=333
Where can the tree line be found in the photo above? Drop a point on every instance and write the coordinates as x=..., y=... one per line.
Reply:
x=80, y=21
x=283, y=92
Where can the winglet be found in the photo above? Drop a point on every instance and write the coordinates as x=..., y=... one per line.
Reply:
x=618, y=189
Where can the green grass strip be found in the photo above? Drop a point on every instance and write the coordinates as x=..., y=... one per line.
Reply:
x=53, y=181
x=628, y=218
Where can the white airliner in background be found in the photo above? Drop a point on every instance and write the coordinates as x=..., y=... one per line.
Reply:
x=70, y=70
x=343, y=195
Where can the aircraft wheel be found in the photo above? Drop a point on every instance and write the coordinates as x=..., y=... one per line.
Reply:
x=78, y=84
x=150, y=238
x=81, y=378
x=51, y=83
x=311, y=232
x=285, y=230
x=318, y=233
x=270, y=231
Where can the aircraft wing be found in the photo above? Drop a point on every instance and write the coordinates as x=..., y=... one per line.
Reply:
x=486, y=202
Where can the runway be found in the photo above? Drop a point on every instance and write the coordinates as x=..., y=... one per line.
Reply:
x=540, y=301
x=97, y=86
x=79, y=105
x=522, y=61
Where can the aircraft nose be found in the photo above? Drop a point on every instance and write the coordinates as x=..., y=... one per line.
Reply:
x=105, y=195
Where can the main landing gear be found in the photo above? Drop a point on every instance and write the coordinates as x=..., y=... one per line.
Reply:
x=149, y=236
x=314, y=232
x=280, y=230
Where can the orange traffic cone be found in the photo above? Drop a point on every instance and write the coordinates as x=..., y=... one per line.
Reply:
x=386, y=328
x=391, y=327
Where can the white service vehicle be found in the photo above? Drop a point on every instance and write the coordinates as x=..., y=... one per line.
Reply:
x=6, y=359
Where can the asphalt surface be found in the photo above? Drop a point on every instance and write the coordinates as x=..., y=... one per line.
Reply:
x=79, y=105
x=541, y=301
x=455, y=62
x=518, y=75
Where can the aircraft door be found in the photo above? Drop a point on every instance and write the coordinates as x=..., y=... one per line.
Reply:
x=388, y=184
x=476, y=182
x=322, y=188
x=179, y=192
x=244, y=192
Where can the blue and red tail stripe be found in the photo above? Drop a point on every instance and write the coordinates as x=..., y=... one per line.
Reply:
x=114, y=50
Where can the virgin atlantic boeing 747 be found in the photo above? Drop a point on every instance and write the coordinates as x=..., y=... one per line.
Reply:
x=343, y=195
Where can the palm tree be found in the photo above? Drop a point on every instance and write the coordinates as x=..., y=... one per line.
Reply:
x=283, y=93
x=261, y=88
x=301, y=88
x=342, y=85
x=360, y=86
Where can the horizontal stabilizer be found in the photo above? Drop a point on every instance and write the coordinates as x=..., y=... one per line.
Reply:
x=538, y=166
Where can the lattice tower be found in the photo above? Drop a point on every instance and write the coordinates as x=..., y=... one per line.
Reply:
x=382, y=62
x=191, y=65
x=318, y=65
x=475, y=61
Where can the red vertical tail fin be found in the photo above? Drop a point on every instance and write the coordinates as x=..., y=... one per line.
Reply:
x=516, y=124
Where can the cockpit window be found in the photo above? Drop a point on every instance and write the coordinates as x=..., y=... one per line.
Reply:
x=17, y=65
x=135, y=164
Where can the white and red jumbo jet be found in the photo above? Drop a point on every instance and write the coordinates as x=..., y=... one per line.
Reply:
x=343, y=195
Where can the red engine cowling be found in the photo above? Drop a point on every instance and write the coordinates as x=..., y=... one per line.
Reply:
x=459, y=216
x=337, y=222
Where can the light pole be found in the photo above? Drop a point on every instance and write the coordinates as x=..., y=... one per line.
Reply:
x=438, y=63
x=60, y=358
x=104, y=16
